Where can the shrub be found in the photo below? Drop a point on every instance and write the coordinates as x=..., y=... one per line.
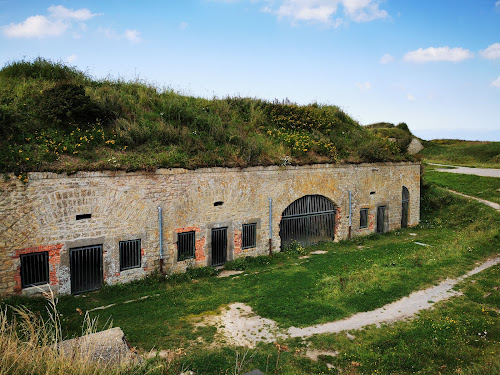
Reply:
x=67, y=106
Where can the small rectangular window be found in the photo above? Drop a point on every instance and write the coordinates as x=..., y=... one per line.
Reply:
x=83, y=216
x=186, y=245
x=130, y=254
x=363, y=218
x=249, y=236
x=34, y=269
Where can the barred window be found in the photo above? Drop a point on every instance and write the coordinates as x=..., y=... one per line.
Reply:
x=363, y=218
x=186, y=245
x=130, y=254
x=34, y=269
x=249, y=236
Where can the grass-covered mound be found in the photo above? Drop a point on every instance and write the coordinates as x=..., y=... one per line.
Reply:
x=466, y=153
x=54, y=117
x=400, y=134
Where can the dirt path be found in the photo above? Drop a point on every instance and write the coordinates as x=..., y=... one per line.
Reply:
x=238, y=325
x=486, y=172
x=496, y=206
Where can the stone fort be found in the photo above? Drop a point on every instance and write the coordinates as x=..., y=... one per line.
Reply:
x=72, y=233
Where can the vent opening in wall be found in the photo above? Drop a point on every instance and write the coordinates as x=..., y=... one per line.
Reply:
x=249, y=236
x=83, y=216
x=186, y=245
x=34, y=269
x=218, y=203
x=130, y=254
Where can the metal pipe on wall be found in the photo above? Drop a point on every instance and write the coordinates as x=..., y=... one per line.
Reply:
x=160, y=234
x=350, y=213
x=270, y=226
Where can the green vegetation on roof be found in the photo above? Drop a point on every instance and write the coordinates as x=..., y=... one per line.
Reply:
x=400, y=133
x=56, y=118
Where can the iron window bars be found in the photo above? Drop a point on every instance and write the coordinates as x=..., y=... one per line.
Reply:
x=34, y=269
x=249, y=236
x=130, y=254
x=186, y=245
x=363, y=218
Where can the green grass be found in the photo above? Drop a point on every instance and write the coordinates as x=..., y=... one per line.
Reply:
x=353, y=276
x=464, y=153
x=56, y=118
x=482, y=187
x=461, y=335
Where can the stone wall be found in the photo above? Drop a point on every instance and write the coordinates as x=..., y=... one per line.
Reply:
x=41, y=214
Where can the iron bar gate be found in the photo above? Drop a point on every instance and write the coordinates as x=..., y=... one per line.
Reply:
x=308, y=220
x=405, y=207
x=219, y=246
x=381, y=219
x=86, y=269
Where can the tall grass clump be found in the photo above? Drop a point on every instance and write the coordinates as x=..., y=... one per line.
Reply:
x=30, y=344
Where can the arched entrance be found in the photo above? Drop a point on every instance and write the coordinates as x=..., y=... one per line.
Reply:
x=308, y=220
x=405, y=203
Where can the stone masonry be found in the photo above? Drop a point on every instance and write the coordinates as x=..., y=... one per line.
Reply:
x=41, y=214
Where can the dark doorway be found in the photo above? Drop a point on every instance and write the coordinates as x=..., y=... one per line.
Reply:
x=308, y=220
x=381, y=219
x=86, y=269
x=219, y=246
x=405, y=207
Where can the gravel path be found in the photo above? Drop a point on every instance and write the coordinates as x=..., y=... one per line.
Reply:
x=486, y=172
x=240, y=326
x=402, y=309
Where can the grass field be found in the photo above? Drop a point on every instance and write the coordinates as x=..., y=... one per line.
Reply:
x=482, y=187
x=353, y=276
x=464, y=153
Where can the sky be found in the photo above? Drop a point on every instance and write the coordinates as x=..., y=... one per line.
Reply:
x=433, y=64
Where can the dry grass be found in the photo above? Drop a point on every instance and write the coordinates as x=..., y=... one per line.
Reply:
x=30, y=345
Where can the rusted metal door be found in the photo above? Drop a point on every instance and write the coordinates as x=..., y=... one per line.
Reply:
x=381, y=219
x=86, y=269
x=405, y=207
x=219, y=246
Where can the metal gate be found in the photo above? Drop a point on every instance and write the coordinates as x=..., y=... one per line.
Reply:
x=381, y=219
x=308, y=220
x=219, y=246
x=86, y=269
x=405, y=207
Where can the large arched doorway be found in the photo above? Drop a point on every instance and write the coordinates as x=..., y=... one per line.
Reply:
x=308, y=220
x=405, y=206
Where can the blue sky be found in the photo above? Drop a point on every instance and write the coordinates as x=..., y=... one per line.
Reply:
x=434, y=64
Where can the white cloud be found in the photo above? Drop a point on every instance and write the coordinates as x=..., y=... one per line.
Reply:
x=492, y=52
x=497, y=4
x=36, y=27
x=363, y=86
x=363, y=10
x=323, y=11
x=61, y=12
x=71, y=59
x=133, y=36
x=56, y=23
x=438, y=54
x=411, y=98
x=183, y=25
x=496, y=83
x=386, y=59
